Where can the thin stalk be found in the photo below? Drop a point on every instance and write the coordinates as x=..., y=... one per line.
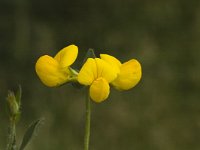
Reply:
x=87, y=121
x=12, y=136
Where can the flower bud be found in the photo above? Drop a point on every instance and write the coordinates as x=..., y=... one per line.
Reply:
x=13, y=106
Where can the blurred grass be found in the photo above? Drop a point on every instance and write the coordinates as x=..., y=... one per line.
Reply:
x=162, y=112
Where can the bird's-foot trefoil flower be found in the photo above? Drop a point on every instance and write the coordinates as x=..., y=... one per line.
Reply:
x=55, y=71
x=97, y=74
x=129, y=73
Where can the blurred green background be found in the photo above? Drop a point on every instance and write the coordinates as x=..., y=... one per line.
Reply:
x=161, y=113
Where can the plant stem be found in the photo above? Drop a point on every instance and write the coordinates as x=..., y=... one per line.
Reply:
x=87, y=121
x=12, y=136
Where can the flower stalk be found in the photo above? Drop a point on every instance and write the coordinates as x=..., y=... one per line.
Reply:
x=13, y=105
x=12, y=136
x=87, y=121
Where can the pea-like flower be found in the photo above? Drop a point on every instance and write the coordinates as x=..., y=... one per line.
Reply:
x=97, y=74
x=54, y=71
x=129, y=73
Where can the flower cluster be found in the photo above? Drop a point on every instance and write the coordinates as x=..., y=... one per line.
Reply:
x=97, y=73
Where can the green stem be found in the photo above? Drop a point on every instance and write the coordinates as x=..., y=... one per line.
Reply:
x=12, y=136
x=87, y=122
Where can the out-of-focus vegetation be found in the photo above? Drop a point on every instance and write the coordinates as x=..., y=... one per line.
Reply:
x=161, y=112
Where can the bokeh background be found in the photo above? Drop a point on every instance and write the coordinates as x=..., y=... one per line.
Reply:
x=161, y=113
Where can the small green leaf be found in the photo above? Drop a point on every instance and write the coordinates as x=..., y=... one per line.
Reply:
x=29, y=133
x=19, y=95
x=90, y=54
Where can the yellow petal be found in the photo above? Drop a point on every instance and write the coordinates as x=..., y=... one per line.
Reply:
x=99, y=90
x=67, y=56
x=116, y=64
x=130, y=75
x=88, y=72
x=49, y=71
x=105, y=70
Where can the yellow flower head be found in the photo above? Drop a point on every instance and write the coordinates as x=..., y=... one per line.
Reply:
x=129, y=73
x=55, y=71
x=98, y=74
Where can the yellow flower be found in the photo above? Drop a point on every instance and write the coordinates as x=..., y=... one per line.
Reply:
x=98, y=74
x=56, y=71
x=129, y=73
